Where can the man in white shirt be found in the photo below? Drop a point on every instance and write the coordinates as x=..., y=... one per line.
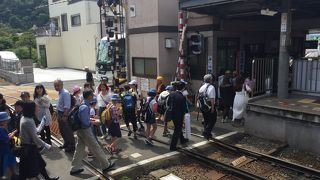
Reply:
x=210, y=116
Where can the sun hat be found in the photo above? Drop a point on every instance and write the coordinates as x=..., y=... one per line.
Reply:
x=76, y=88
x=169, y=88
x=115, y=97
x=25, y=94
x=94, y=100
x=4, y=116
x=160, y=78
x=133, y=82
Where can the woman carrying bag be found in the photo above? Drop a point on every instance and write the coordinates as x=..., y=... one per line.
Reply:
x=42, y=99
x=31, y=162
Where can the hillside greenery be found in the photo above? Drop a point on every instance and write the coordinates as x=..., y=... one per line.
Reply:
x=17, y=19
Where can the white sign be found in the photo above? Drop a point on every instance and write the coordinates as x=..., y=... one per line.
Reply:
x=144, y=84
x=284, y=21
x=210, y=65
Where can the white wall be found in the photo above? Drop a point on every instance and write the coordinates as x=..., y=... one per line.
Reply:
x=54, y=50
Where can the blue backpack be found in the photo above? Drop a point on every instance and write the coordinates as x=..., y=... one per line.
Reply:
x=127, y=101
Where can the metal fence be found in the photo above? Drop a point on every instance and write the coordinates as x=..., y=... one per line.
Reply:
x=47, y=31
x=306, y=75
x=262, y=75
x=10, y=65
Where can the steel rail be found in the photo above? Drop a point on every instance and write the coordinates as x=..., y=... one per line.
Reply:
x=87, y=164
x=308, y=172
x=205, y=160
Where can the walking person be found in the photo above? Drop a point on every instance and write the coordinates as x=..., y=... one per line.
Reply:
x=240, y=100
x=63, y=107
x=31, y=162
x=206, y=100
x=227, y=94
x=114, y=125
x=134, y=89
x=14, y=123
x=89, y=76
x=25, y=96
x=86, y=138
x=176, y=110
x=151, y=107
x=42, y=99
x=3, y=105
x=129, y=102
x=77, y=94
x=103, y=98
x=162, y=108
x=7, y=158
x=160, y=87
x=103, y=80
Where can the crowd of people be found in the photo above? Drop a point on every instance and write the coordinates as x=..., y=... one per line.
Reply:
x=98, y=112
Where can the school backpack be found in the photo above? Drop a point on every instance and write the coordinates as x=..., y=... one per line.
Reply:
x=128, y=101
x=73, y=101
x=106, y=114
x=203, y=101
x=74, y=119
x=162, y=104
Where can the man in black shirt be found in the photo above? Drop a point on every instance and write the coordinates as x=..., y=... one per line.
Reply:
x=176, y=111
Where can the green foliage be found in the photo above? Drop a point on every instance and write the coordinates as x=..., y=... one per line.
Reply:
x=23, y=52
x=23, y=14
x=5, y=43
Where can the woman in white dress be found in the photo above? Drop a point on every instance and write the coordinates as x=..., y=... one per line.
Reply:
x=240, y=100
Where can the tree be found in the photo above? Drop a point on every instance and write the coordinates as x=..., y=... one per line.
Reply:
x=15, y=22
x=5, y=43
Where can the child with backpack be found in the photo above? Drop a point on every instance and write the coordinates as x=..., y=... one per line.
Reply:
x=8, y=160
x=112, y=120
x=129, y=110
x=162, y=107
x=151, y=108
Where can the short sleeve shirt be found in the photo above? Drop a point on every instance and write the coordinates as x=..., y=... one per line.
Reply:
x=211, y=92
x=64, y=100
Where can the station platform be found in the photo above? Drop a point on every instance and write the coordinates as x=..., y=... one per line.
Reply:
x=295, y=121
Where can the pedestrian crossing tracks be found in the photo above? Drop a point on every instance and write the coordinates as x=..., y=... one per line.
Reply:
x=157, y=154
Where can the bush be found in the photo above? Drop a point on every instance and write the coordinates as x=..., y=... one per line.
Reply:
x=23, y=53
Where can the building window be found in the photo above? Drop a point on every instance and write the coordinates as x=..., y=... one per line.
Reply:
x=64, y=22
x=75, y=20
x=144, y=67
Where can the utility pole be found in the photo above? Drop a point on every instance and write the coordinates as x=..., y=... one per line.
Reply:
x=285, y=38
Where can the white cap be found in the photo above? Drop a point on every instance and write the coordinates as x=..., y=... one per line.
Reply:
x=133, y=82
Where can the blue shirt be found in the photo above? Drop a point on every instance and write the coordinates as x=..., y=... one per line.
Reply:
x=64, y=100
x=4, y=142
x=84, y=114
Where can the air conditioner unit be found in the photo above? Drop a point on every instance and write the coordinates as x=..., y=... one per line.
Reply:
x=170, y=43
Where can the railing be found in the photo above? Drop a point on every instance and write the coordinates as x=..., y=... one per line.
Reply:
x=306, y=76
x=47, y=31
x=11, y=65
x=262, y=74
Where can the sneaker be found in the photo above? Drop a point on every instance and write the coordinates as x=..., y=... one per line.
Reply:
x=76, y=172
x=129, y=133
x=90, y=155
x=148, y=142
x=111, y=164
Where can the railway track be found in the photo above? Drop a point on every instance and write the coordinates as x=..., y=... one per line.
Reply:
x=251, y=156
x=90, y=167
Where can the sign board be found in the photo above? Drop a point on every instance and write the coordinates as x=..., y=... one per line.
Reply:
x=311, y=44
x=210, y=65
x=144, y=84
x=284, y=22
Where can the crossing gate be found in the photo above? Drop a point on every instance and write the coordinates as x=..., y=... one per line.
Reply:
x=262, y=75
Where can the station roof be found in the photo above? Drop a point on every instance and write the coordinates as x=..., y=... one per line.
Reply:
x=231, y=9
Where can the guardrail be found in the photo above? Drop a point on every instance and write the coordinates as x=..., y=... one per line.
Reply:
x=262, y=74
x=306, y=76
x=47, y=31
